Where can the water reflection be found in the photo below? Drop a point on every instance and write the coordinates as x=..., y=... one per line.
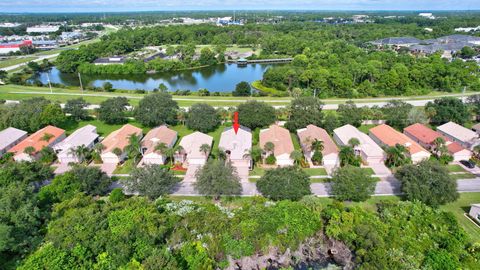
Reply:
x=219, y=78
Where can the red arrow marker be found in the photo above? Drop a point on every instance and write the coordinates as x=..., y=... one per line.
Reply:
x=236, y=125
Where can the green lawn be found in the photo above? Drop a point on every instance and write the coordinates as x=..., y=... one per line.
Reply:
x=366, y=128
x=296, y=143
x=16, y=60
x=125, y=168
x=257, y=171
x=463, y=176
x=455, y=168
x=102, y=128
x=369, y=170
x=315, y=171
x=462, y=206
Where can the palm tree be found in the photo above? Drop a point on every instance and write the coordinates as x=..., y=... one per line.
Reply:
x=178, y=150
x=440, y=147
x=29, y=150
x=161, y=147
x=254, y=153
x=134, y=147
x=269, y=147
x=46, y=137
x=182, y=116
x=97, y=151
x=80, y=152
x=347, y=157
x=205, y=149
x=117, y=151
x=317, y=145
x=170, y=152
x=396, y=156
x=221, y=154
x=297, y=157
x=353, y=142
x=476, y=151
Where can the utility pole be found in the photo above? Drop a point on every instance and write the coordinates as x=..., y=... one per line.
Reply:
x=80, y=79
x=49, y=84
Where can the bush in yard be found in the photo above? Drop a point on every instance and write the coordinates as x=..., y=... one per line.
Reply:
x=285, y=183
x=271, y=160
x=352, y=184
x=116, y=195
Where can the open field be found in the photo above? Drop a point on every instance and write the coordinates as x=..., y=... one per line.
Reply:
x=16, y=60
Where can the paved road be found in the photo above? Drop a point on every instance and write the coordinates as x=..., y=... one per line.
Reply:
x=39, y=59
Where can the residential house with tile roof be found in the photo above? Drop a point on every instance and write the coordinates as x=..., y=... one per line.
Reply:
x=119, y=139
x=281, y=139
x=154, y=137
x=45, y=137
x=330, y=149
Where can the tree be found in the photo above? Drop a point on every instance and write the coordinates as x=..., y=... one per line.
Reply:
x=428, y=182
x=349, y=113
x=205, y=149
x=217, y=178
x=303, y=112
x=77, y=109
x=202, y=117
x=207, y=57
x=330, y=122
x=284, y=183
x=112, y=111
x=347, y=156
x=397, y=156
x=317, y=148
x=107, y=86
x=27, y=115
x=52, y=114
x=242, y=89
x=417, y=115
x=297, y=157
x=29, y=150
x=152, y=181
x=255, y=153
x=134, y=148
x=92, y=180
x=352, y=184
x=396, y=113
x=47, y=137
x=81, y=153
x=467, y=52
x=47, y=155
x=254, y=114
x=449, y=109
x=156, y=109
x=474, y=102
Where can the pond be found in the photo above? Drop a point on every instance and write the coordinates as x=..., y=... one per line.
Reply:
x=218, y=78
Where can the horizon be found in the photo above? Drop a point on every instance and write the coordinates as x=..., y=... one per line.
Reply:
x=93, y=6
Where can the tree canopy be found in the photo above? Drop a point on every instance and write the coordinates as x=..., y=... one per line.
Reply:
x=156, y=109
x=352, y=184
x=217, y=178
x=448, y=109
x=151, y=181
x=112, y=111
x=303, y=112
x=202, y=117
x=254, y=114
x=285, y=183
x=428, y=182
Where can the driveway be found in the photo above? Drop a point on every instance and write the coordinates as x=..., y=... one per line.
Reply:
x=190, y=174
x=107, y=168
x=475, y=170
x=61, y=168
x=381, y=170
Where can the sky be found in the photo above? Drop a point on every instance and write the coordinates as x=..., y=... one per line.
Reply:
x=154, y=5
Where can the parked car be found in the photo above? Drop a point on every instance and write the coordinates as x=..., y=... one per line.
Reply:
x=468, y=164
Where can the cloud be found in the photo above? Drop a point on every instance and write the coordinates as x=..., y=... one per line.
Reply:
x=129, y=5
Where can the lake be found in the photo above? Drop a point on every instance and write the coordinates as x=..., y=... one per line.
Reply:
x=218, y=78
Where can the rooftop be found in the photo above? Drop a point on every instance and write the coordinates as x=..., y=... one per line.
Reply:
x=391, y=137
x=192, y=142
x=459, y=132
x=10, y=135
x=119, y=138
x=82, y=136
x=280, y=137
x=238, y=144
x=158, y=135
x=310, y=133
x=36, y=140
x=367, y=145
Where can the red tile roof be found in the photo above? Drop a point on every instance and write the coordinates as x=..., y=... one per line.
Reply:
x=391, y=137
x=36, y=139
x=422, y=133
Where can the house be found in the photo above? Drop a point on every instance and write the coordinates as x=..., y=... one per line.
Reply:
x=115, y=144
x=426, y=136
x=86, y=136
x=283, y=145
x=387, y=136
x=191, y=153
x=110, y=60
x=45, y=137
x=396, y=42
x=475, y=212
x=10, y=137
x=237, y=146
x=368, y=150
x=153, y=138
x=310, y=134
x=456, y=133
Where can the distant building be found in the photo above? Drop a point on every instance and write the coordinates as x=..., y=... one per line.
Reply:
x=426, y=136
x=457, y=133
x=368, y=150
x=70, y=36
x=9, y=25
x=119, y=60
x=43, y=29
x=10, y=137
x=6, y=48
x=467, y=29
x=45, y=44
x=427, y=15
x=396, y=41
